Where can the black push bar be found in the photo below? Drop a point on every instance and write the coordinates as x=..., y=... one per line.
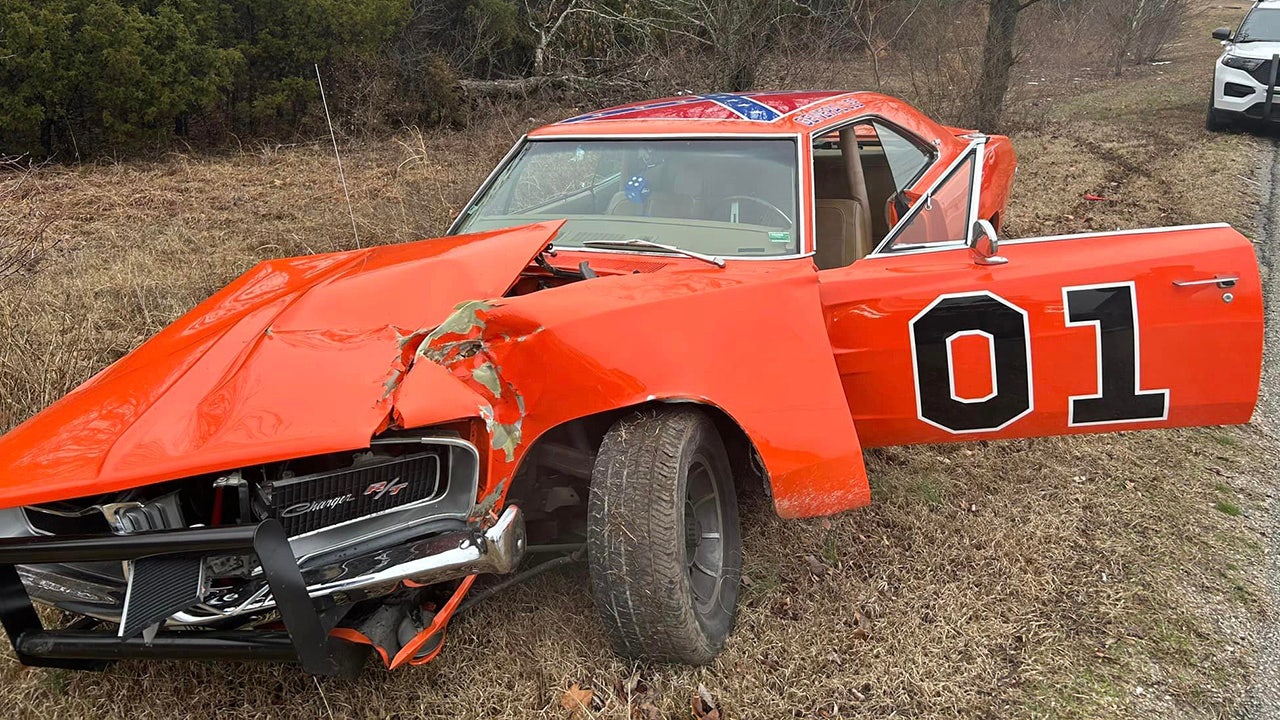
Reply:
x=72, y=645
x=306, y=641
x=91, y=548
x=1271, y=88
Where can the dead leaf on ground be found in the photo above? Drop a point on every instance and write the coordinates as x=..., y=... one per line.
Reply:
x=816, y=568
x=784, y=609
x=863, y=630
x=646, y=711
x=632, y=682
x=704, y=707
x=577, y=700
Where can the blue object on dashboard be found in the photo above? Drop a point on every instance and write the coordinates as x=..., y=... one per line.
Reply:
x=637, y=189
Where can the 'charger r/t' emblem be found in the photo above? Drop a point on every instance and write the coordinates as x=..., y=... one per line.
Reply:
x=379, y=489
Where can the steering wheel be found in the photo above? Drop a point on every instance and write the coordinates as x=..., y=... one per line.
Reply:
x=763, y=203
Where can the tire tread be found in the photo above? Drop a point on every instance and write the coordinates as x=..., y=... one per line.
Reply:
x=635, y=537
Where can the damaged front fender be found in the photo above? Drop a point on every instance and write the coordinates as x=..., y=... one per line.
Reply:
x=749, y=339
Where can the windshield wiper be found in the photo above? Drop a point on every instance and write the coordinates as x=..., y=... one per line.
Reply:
x=638, y=244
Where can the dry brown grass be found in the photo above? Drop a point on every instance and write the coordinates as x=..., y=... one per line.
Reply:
x=1079, y=577
x=1034, y=579
x=138, y=244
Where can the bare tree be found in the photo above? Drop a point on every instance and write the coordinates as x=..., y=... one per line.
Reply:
x=546, y=20
x=633, y=38
x=876, y=25
x=1160, y=27
x=739, y=33
x=940, y=71
x=997, y=61
x=1139, y=29
x=736, y=32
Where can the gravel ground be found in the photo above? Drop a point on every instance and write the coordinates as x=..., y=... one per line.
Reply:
x=1264, y=703
x=1269, y=258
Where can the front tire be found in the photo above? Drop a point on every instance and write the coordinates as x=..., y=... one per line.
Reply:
x=663, y=540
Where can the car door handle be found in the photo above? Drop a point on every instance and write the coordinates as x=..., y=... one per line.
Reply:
x=1223, y=282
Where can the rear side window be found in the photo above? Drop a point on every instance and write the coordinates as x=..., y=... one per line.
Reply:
x=906, y=159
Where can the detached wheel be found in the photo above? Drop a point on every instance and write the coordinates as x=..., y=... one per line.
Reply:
x=1213, y=120
x=663, y=540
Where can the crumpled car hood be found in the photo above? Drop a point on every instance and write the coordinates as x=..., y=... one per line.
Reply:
x=296, y=357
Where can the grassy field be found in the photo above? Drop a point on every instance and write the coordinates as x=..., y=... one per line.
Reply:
x=1085, y=577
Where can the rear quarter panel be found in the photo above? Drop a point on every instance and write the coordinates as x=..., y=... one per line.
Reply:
x=998, y=170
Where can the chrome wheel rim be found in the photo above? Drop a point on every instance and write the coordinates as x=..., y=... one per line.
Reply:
x=704, y=538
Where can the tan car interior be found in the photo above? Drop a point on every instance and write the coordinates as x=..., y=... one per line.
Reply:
x=852, y=187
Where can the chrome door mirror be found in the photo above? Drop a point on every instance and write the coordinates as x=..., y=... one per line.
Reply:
x=983, y=244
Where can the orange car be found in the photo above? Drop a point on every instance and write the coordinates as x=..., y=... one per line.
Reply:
x=641, y=310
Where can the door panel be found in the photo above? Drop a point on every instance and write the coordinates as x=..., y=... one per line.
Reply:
x=1081, y=334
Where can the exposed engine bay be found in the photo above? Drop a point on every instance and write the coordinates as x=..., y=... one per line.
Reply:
x=548, y=271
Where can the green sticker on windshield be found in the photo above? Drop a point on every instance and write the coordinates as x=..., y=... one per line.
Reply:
x=779, y=236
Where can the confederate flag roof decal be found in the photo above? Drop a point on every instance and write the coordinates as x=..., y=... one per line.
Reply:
x=756, y=106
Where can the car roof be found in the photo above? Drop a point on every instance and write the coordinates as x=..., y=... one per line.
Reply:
x=805, y=112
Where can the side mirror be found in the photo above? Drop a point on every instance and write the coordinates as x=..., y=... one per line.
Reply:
x=985, y=245
x=1222, y=33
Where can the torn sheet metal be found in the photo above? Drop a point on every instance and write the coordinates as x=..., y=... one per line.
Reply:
x=749, y=340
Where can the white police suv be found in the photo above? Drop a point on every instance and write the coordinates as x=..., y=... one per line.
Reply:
x=1244, y=79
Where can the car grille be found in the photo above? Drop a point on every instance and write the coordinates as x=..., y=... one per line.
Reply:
x=313, y=502
x=1258, y=109
x=1263, y=73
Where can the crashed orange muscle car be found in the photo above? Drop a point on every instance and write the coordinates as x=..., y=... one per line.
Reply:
x=641, y=310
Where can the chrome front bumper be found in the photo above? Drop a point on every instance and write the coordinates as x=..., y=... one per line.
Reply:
x=302, y=604
x=438, y=558
x=423, y=542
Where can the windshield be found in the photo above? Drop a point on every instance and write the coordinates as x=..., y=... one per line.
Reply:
x=719, y=197
x=1261, y=25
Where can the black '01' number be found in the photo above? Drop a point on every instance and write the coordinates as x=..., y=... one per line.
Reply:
x=1111, y=309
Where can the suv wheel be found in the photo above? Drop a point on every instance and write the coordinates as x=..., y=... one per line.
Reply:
x=663, y=539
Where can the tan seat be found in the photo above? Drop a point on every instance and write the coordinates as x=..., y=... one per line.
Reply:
x=839, y=233
x=844, y=231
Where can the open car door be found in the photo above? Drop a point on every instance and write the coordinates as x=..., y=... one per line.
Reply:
x=938, y=338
